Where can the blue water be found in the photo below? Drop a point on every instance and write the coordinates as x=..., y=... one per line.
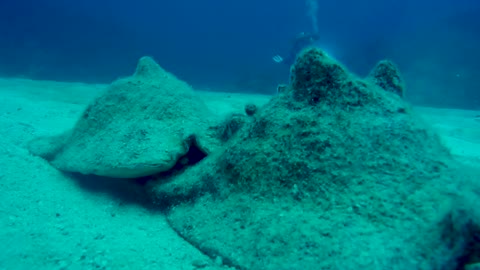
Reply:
x=229, y=45
x=57, y=220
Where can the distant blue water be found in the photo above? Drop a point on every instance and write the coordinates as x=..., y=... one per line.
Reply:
x=229, y=44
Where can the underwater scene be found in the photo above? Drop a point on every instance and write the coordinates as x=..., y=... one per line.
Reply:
x=241, y=135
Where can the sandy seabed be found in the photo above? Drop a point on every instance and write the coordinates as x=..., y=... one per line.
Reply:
x=52, y=220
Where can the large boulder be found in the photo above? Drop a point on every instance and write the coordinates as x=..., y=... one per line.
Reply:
x=142, y=125
x=335, y=172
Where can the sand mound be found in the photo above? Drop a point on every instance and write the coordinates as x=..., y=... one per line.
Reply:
x=334, y=173
x=140, y=126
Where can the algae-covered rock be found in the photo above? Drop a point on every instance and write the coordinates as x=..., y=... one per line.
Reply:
x=141, y=125
x=333, y=173
x=386, y=75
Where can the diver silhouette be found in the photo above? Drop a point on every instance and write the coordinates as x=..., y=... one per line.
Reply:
x=301, y=41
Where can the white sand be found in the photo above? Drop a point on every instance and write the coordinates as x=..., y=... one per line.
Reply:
x=54, y=221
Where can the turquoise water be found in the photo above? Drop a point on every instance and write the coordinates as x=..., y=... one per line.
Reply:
x=247, y=135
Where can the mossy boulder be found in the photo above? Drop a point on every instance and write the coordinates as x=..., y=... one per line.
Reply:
x=333, y=173
x=141, y=125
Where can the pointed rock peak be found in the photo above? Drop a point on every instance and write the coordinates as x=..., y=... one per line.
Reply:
x=315, y=76
x=147, y=68
x=387, y=75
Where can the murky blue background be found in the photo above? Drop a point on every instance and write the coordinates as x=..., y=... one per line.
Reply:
x=228, y=45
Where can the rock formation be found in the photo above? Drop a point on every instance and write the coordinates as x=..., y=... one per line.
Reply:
x=336, y=172
x=142, y=125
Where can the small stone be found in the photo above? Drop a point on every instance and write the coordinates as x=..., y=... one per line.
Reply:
x=387, y=76
x=250, y=109
x=199, y=263
x=281, y=88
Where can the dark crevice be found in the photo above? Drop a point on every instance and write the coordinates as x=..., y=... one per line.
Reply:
x=471, y=254
x=192, y=157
